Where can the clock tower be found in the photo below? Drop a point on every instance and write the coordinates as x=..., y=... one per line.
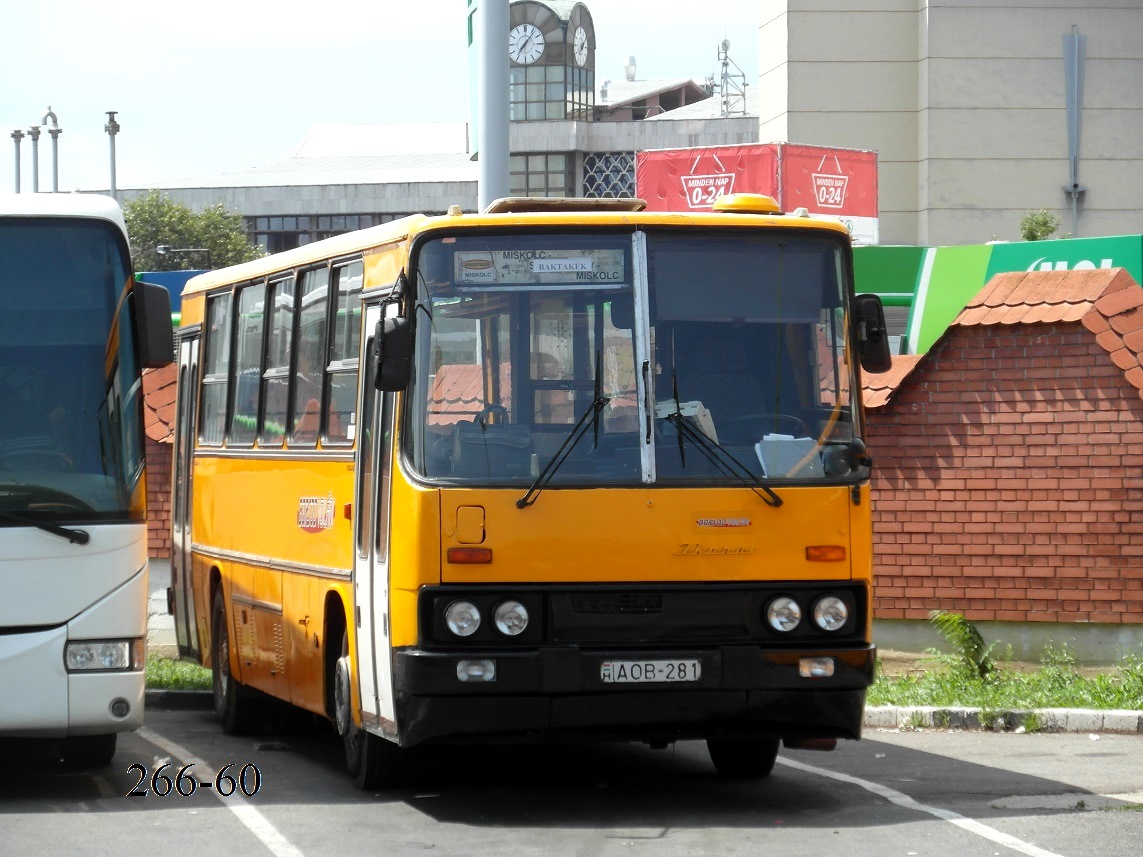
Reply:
x=551, y=61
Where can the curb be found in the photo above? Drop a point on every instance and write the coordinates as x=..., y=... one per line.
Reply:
x=1025, y=720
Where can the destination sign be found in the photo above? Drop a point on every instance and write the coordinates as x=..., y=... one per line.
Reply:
x=567, y=268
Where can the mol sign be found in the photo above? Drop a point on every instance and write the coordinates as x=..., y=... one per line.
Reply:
x=838, y=183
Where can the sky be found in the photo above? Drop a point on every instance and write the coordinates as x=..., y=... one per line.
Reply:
x=216, y=86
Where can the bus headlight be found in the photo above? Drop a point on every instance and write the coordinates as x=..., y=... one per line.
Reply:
x=511, y=618
x=831, y=613
x=462, y=618
x=103, y=655
x=784, y=614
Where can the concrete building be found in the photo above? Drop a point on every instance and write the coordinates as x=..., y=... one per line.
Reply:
x=966, y=104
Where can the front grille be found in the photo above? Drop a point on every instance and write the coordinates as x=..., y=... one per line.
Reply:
x=617, y=603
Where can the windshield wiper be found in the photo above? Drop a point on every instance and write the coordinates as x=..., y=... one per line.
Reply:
x=590, y=417
x=723, y=460
x=76, y=537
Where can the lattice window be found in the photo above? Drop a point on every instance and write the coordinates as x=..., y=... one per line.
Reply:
x=609, y=175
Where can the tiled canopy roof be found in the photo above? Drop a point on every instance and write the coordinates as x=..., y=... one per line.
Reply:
x=159, y=402
x=1106, y=301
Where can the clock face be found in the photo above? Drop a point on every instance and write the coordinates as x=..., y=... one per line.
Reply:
x=580, y=45
x=525, y=43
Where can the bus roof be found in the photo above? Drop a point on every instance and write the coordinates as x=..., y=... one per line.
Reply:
x=61, y=205
x=514, y=212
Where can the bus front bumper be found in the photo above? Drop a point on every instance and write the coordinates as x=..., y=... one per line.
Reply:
x=564, y=693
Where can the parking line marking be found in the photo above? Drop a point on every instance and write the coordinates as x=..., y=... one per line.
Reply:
x=903, y=800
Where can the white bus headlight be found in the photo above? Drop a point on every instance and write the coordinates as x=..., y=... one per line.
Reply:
x=831, y=613
x=784, y=614
x=511, y=618
x=462, y=618
x=103, y=655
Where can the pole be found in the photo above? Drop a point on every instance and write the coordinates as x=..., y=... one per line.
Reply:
x=492, y=75
x=112, y=128
x=54, y=129
x=34, y=133
x=17, y=135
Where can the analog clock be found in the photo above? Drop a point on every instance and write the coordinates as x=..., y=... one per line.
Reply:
x=580, y=45
x=525, y=43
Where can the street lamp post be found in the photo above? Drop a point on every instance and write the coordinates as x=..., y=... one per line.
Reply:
x=34, y=133
x=54, y=129
x=112, y=128
x=17, y=135
x=165, y=249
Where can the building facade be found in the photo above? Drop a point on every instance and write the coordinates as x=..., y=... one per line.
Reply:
x=967, y=104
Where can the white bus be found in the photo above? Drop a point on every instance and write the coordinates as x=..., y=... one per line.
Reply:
x=76, y=331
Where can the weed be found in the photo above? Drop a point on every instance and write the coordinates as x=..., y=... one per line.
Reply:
x=962, y=635
x=170, y=674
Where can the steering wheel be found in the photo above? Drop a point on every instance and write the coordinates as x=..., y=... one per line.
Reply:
x=750, y=428
x=37, y=459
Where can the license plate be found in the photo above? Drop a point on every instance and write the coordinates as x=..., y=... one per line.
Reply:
x=642, y=672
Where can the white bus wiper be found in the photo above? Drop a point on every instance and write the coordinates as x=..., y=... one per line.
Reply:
x=76, y=537
x=723, y=460
x=590, y=418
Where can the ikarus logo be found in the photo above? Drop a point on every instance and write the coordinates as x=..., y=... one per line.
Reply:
x=1045, y=264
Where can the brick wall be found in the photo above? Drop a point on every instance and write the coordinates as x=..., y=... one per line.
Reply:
x=158, y=499
x=1008, y=481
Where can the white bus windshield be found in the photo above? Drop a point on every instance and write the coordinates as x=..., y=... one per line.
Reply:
x=673, y=356
x=70, y=438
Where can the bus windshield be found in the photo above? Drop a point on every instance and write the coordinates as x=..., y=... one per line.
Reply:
x=672, y=356
x=69, y=433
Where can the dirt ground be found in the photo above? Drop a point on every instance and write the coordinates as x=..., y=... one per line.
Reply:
x=896, y=664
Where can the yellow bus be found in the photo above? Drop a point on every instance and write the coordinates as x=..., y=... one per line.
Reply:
x=559, y=470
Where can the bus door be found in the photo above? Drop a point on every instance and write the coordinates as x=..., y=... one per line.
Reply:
x=182, y=579
x=371, y=532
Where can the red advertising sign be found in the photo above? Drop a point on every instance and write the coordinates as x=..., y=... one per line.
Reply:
x=692, y=179
x=840, y=183
x=829, y=181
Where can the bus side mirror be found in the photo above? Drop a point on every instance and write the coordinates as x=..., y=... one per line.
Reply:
x=154, y=331
x=873, y=336
x=394, y=344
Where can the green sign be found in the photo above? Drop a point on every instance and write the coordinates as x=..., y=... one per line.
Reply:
x=945, y=279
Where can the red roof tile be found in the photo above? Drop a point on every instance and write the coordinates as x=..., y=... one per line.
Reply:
x=159, y=402
x=1107, y=302
x=879, y=388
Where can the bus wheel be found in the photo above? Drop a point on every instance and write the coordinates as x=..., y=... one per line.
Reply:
x=373, y=762
x=86, y=752
x=743, y=757
x=235, y=705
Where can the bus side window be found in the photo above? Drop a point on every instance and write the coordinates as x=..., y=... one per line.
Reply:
x=311, y=356
x=216, y=370
x=345, y=342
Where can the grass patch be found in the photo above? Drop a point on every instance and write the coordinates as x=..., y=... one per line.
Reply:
x=171, y=674
x=1056, y=684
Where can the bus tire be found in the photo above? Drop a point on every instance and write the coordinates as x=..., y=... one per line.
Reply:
x=87, y=752
x=372, y=761
x=741, y=758
x=235, y=705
